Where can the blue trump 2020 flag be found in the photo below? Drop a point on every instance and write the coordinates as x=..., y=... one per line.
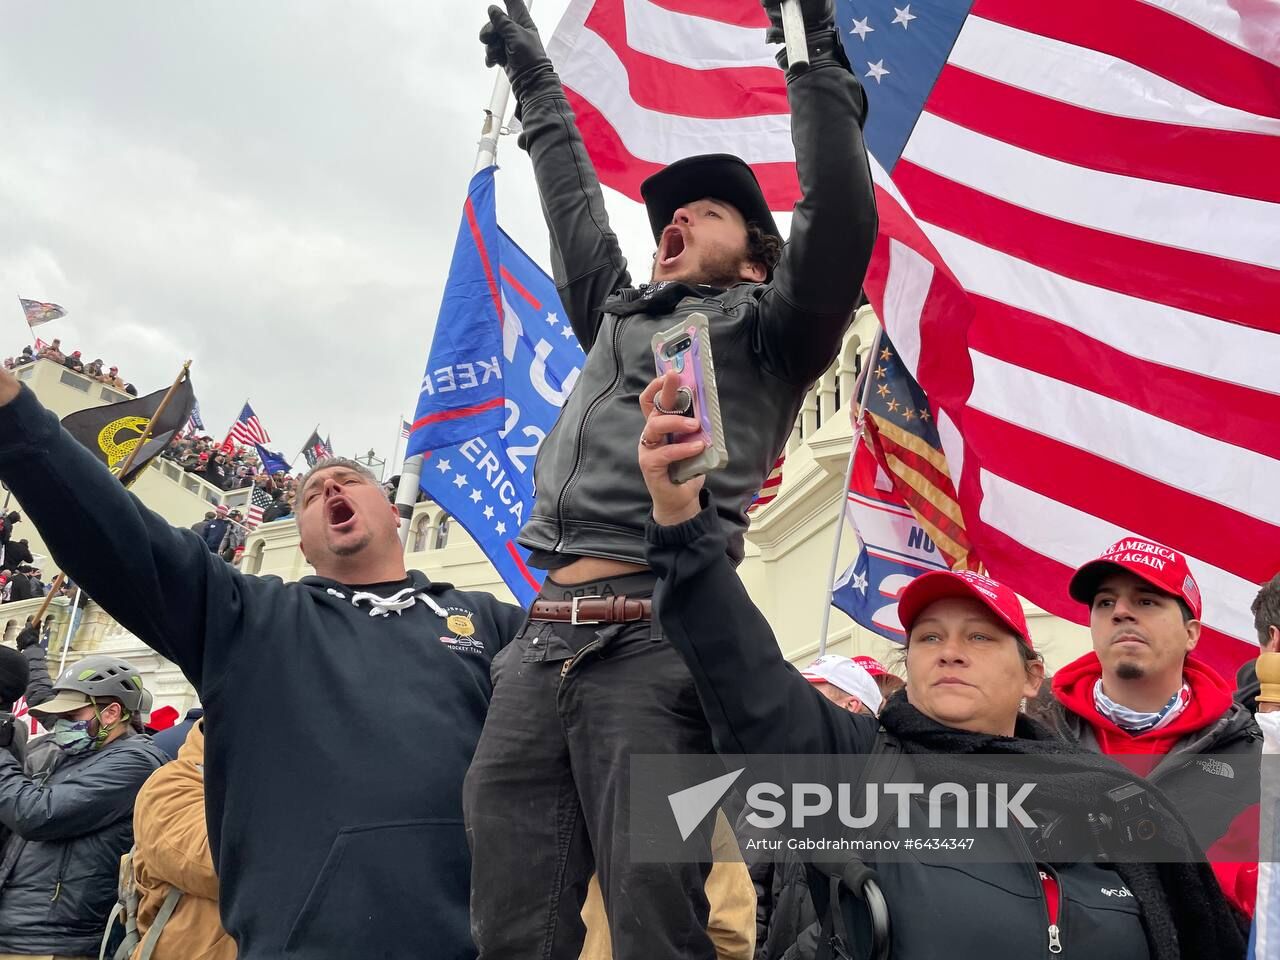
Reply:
x=502, y=363
x=893, y=549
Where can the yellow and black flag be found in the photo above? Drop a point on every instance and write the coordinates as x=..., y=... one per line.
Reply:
x=112, y=432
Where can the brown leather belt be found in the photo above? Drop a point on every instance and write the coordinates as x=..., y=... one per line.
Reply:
x=582, y=610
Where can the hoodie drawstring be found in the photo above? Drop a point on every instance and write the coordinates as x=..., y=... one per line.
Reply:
x=399, y=602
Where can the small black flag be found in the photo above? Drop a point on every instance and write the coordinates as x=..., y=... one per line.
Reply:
x=316, y=449
x=111, y=432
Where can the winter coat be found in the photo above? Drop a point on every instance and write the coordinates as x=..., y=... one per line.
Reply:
x=71, y=823
x=24, y=588
x=757, y=703
x=1210, y=761
x=172, y=851
x=770, y=341
x=349, y=842
x=213, y=533
x=171, y=740
x=787, y=925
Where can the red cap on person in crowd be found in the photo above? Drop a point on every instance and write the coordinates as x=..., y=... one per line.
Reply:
x=75, y=353
x=1164, y=568
x=940, y=584
x=221, y=509
x=872, y=666
x=162, y=719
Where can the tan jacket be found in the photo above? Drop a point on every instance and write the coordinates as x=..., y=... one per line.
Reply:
x=172, y=844
x=732, y=921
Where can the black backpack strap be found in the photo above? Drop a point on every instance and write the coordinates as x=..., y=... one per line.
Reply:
x=856, y=876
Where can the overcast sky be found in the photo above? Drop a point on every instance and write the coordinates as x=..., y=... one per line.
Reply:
x=271, y=189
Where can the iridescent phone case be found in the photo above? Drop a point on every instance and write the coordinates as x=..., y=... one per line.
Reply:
x=686, y=349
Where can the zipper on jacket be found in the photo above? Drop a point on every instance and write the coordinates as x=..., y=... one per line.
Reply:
x=1055, y=924
x=582, y=432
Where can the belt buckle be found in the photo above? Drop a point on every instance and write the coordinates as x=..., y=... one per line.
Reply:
x=573, y=612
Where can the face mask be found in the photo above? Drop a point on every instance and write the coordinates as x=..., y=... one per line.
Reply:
x=72, y=736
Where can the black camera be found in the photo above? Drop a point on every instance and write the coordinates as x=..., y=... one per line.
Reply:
x=1125, y=816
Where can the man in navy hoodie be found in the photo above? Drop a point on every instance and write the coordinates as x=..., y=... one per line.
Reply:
x=339, y=833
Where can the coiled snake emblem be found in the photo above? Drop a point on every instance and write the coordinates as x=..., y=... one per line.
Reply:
x=117, y=450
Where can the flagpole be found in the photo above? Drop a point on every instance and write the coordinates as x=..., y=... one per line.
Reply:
x=486, y=155
x=71, y=631
x=306, y=443
x=844, y=489
x=124, y=469
x=395, y=449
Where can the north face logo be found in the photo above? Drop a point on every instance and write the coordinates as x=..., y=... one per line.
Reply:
x=1217, y=768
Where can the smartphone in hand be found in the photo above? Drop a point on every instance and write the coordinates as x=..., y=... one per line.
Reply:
x=686, y=350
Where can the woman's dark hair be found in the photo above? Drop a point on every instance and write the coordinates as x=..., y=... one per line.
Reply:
x=763, y=247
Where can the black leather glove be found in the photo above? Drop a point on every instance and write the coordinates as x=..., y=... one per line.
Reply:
x=29, y=636
x=818, y=15
x=511, y=41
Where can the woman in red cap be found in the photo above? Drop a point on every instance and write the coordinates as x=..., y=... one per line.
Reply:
x=970, y=663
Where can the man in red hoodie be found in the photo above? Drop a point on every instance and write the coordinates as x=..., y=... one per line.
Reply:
x=1166, y=715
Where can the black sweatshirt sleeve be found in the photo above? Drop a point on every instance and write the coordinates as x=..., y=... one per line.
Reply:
x=754, y=700
x=811, y=299
x=161, y=583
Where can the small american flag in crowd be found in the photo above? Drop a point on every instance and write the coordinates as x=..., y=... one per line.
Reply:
x=259, y=500
x=247, y=430
x=404, y=429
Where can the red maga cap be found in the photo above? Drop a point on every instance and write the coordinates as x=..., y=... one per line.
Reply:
x=940, y=584
x=872, y=666
x=1164, y=568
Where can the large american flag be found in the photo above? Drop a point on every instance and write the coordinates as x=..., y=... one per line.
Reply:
x=1079, y=256
x=247, y=430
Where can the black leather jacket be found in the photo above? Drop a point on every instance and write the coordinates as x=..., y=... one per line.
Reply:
x=770, y=341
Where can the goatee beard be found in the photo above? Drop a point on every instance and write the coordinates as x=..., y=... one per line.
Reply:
x=1127, y=670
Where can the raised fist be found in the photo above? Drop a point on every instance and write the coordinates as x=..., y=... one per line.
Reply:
x=511, y=40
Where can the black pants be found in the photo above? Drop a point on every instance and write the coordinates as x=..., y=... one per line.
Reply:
x=546, y=797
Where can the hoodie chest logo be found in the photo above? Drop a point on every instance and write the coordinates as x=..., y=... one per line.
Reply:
x=462, y=625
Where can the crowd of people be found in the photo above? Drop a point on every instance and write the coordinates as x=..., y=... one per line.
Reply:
x=456, y=774
x=95, y=369
x=20, y=579
x=225, y=469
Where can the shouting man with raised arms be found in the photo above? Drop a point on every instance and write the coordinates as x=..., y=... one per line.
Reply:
x=591, y=679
